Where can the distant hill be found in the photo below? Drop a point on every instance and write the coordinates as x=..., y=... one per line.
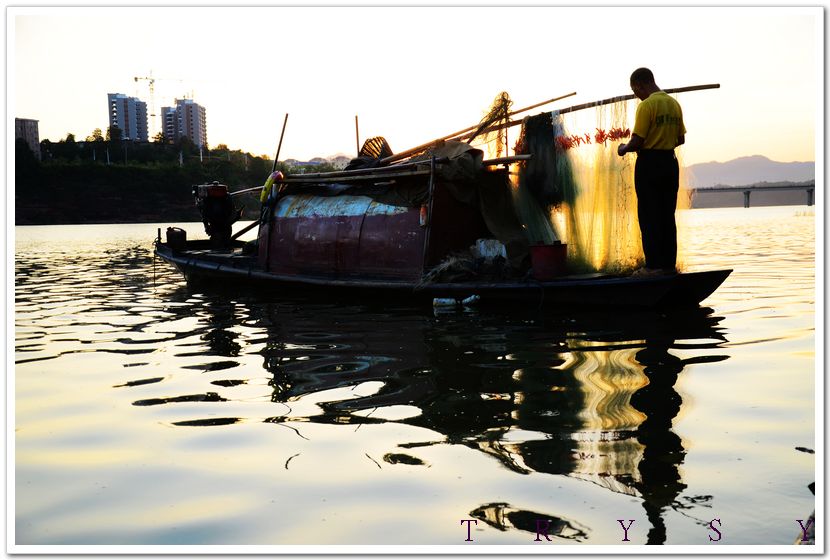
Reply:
x=748, y=170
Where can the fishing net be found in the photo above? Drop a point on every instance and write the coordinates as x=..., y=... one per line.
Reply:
x=545, y=181
x=684, y=202
x=582, y=188
x=491, y=133
x=547, y=175
x=602, y=225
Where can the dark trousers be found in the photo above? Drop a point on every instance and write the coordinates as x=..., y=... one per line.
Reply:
x=656, y=181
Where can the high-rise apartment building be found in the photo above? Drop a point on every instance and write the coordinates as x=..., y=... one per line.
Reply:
x=185, y=120
x=27, y=129
x=129, y=114
x=169, y=123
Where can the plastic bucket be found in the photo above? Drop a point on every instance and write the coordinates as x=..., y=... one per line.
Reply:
x=548, y=261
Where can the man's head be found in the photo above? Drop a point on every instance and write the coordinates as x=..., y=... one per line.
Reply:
x=642, y=83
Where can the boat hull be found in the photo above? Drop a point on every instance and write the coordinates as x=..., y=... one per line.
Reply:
x=202, y=266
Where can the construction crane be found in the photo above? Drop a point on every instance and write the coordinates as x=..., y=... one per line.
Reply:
x=152, y=83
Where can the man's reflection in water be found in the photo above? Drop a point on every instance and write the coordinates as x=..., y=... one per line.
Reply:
x=659, y=482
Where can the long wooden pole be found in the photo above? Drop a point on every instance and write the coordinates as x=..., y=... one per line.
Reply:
x=279, y=146
x=356, y=135
x=267, y=209
x=416, y=149
x=600, y=103
x=243, y=191
x=256, y=222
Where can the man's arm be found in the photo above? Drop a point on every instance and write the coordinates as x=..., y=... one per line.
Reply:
x=680, y=140
x=633, y=145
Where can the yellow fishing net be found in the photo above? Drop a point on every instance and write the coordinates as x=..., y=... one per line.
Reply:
x=600, y=227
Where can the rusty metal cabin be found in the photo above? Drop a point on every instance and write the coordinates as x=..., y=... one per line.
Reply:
x=391, y=223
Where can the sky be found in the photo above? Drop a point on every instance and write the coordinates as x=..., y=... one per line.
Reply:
x=412, y=74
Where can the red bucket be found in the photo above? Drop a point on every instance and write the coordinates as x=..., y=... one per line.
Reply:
x=548, y=261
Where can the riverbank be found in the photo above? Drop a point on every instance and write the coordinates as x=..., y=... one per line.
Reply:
x=95, y=194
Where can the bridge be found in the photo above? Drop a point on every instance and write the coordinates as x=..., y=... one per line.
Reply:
x=808, y=188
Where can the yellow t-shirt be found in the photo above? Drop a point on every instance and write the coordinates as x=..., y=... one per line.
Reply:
x=659, y=121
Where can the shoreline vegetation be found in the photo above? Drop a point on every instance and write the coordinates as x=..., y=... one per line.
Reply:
x=104, y=181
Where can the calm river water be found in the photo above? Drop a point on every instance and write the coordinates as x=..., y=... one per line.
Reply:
x=147, y=414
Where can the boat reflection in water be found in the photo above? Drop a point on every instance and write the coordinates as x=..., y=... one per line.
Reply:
x=587, y=395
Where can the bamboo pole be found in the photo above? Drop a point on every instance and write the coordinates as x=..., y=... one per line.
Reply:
x=356, y=135
x=416, y=149
x=245, y=230
x=279, y=146
x=266, y=209
x=243, y=191
x=600, y=103
x=632, y=96
x=273, y=168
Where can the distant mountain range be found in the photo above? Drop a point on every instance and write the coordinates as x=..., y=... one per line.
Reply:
x=747, y=171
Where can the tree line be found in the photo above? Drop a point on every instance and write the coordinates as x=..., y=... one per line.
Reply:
x=109, y=179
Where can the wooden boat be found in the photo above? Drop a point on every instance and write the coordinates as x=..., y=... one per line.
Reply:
x=384, y=230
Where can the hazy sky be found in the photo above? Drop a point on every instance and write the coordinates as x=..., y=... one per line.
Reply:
x=413, y=74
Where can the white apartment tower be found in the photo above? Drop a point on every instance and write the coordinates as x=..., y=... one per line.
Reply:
x=185, y=120
x=129, y=114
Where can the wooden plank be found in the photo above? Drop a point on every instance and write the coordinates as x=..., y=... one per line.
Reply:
x=301, y=179
x=510, y=159
x=360, y=172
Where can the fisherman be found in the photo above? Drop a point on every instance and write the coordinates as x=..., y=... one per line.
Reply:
x=658, y=130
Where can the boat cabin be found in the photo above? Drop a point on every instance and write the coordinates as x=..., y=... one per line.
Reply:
x=391, y=223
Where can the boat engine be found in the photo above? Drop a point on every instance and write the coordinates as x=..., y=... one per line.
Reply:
x=218, y=212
